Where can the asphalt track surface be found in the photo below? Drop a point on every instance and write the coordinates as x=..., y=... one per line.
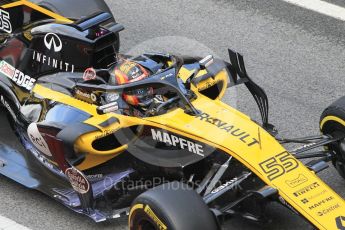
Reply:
x=297, y=55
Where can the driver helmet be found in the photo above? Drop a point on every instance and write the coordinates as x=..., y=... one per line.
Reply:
x=130, y=71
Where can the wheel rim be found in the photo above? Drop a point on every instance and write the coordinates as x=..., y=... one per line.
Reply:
x=146, y=225
x=339, y=146
x=342, y=146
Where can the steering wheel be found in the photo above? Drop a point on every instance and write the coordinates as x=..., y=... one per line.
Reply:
x=157, y=110
x=167, y=103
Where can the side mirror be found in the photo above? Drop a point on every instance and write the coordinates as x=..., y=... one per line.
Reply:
x=206, y=61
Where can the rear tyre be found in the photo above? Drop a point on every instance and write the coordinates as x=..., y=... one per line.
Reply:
x=332, y=123
x=171, y=206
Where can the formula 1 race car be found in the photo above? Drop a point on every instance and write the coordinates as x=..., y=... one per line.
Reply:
x=109, y=135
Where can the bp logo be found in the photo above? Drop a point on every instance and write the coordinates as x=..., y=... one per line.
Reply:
x=340, y=222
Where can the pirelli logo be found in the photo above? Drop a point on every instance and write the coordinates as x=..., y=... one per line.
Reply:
x=155, y=218
x=306, y=189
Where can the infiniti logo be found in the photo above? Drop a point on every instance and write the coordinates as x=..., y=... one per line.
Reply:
x=51, y=40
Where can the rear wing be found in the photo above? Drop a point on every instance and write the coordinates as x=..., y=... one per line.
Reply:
x=14, y=15
x=95, y=20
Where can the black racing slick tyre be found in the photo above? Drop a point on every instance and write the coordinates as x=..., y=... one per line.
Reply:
x=332, y=123
x=171, y=206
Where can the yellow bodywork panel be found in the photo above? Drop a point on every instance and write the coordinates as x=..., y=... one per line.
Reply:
x=261, y=153
x=227, y=129
x=220, y=77
x=224, y=128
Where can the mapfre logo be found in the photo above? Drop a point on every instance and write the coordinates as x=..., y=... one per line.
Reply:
x=52, y=41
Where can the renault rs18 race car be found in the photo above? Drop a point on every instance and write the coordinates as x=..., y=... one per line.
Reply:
x=109, y=135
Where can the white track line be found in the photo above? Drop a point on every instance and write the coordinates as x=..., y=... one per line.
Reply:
x=7, y=224
x=321, y=7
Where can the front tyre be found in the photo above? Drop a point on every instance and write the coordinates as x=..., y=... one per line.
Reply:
x=171, y=206
x=332, y=123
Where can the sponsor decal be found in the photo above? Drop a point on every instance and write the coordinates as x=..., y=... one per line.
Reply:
x=312, y=197
x=305, y=146
x=52, y=62
x=231, y=129
x=234, y=183
x=159, y=98
x=127, y=66
x=89, y=96
x=328, y=210
x=110, y=97
x=173, y=140
x=8, y=107
x=166, y=76
x=210, y=82
x=95, y=176
x=7, y=69
x=279, y=165
x=89, y=74
x=220, y=188
x=47, y=163
x=37, y=139
x=301, y=179
x=17, y=76
x=322, y=202
x=305, y=201
x=155, y=218
x=5, y=23
x=27, y=34
x=109, y=108
x=340, y=221
x=53, y=42
x=306, y=189
x=105, y=133
x=78, y=180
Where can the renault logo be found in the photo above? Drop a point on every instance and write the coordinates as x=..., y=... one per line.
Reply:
x=340, y=222
x=51, y=40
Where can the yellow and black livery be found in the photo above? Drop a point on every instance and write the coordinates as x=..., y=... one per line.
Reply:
x=83, y=144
